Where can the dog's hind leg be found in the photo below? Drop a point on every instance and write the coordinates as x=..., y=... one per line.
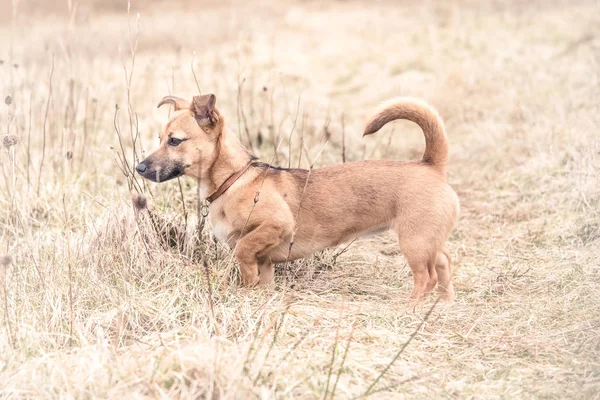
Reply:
x=251, y=249
x=422, y=261
x=445, y=288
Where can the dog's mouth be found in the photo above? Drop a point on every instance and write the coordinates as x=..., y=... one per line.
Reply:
x=158, y=173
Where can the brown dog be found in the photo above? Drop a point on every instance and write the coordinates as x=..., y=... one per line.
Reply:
x=272, y=215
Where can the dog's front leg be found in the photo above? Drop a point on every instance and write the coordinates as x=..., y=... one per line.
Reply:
x=252, y=249
x=267, y=270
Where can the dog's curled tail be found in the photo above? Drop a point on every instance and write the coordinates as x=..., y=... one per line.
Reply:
x=421, y=113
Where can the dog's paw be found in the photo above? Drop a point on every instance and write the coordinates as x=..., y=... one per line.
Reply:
x=446, y=295
x=250, y=282
x=266, y=286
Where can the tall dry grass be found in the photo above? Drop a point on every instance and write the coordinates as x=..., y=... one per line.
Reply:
x=107, y=295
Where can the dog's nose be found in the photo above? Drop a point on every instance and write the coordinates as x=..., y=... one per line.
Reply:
x=141, y=168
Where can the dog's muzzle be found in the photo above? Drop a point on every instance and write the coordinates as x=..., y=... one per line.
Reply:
x=162, y=173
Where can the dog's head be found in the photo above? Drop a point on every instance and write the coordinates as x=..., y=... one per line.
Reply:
x=188, y=144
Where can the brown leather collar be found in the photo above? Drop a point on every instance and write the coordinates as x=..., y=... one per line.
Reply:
x=228, y=182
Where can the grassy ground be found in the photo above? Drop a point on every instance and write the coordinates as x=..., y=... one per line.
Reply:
x=101, y=300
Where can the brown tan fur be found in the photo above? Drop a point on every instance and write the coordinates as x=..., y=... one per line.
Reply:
x=321, y=207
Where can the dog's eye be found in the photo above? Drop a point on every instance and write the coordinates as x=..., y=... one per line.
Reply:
x=174, y=141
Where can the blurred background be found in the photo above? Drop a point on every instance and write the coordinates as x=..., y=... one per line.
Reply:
x=517, y=84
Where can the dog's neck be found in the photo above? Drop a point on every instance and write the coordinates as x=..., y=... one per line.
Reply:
x=231, y=157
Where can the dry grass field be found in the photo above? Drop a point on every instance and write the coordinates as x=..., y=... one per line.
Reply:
x=100, y=299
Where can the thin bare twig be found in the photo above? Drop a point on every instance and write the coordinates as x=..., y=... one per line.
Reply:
x=251, y=350
x=300, y=204
x=333, y=351
x=44, y=126
x=5, y=265
x=210, y=294
x=70, y=275
x=343, y=361
x=194, y=74
x=185, y=214
x=301, y=138
x=243, y=115
x=292, y=132
x=275, y=334
x=404, y=346
x=29, y=144
x=343, y=140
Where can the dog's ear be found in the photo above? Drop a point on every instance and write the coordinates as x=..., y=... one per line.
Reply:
x=178, y=102
x=204, y=109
